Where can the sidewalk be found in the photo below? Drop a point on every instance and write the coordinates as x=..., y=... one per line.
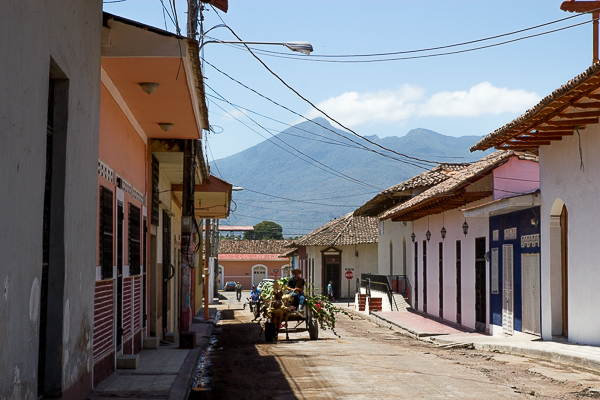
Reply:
x=435, y=331
x=163, y=373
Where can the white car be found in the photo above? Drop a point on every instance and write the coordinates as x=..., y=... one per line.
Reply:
x=262, y=283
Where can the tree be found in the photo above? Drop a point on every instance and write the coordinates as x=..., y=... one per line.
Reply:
x=265, y=230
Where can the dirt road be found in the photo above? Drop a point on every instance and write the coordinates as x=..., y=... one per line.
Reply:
x=370, y=362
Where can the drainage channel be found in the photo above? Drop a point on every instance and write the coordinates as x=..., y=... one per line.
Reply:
x=201, y=383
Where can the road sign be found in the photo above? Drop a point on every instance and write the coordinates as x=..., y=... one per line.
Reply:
x=349, y=275
x=275, y=274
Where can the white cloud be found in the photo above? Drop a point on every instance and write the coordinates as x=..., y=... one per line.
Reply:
x=408, y=101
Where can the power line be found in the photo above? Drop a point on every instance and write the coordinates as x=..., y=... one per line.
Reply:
x=295, y=200
x=416, y=161
x=424, y=49
x=321, y=166
x=314, y=59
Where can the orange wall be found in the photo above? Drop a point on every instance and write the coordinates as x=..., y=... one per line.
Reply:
x=125, y=152
x=241, y=271
x=120, y=145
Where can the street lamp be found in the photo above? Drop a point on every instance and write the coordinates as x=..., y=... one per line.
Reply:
x=302, y=47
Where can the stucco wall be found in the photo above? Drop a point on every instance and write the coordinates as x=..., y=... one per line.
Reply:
x=452, y=221
x=33, y=34
x=562, y=178
x=366, y=262
x=395, y=233
x=241, y=271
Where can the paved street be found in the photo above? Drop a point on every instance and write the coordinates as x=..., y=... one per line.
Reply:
x=370, y=362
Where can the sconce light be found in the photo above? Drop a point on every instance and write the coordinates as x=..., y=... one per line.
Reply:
x=413, y=237
x=149, y=87
x=165, y=126
x=465, y=227
x=443, y=231
x=428, y=235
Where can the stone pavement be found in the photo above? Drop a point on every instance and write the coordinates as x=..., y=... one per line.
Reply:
x=164, y=373
x=443, y=334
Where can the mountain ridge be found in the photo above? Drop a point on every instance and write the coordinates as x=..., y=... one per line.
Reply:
x=341, y=176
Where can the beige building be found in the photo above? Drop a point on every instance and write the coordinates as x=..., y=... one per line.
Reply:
x=346, y=244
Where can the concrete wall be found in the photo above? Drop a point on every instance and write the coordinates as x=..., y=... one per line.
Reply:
x=62, y=38
x=452, y=221
x=394, y=233
x=562, y=180
x=366, y=262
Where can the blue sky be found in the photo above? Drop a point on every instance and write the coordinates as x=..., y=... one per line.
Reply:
x=472, y=93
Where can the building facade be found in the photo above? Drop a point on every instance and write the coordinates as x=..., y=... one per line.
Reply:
x=49, y=128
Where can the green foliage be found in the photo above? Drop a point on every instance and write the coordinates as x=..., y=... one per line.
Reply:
x=322, y=309
x=266, y=230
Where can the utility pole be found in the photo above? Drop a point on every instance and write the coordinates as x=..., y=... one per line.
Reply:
x=187, y=208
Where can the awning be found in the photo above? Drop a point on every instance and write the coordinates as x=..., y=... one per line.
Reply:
x=505, y=206
x=212, y=198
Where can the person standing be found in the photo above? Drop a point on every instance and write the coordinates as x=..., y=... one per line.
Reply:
x=330, y=292
x=238, y=291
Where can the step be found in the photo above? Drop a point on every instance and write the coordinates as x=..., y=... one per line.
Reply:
x=128, y=361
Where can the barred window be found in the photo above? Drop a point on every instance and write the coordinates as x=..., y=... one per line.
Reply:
x=154, y=205
x=106, y=232
x=133, y=240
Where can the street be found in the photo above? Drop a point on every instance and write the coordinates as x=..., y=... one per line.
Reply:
x=371, y=362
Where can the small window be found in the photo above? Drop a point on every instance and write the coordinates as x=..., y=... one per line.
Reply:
x=133, y=240
x=106, y=232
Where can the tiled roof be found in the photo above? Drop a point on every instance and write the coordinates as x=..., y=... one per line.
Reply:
x=253, y=246
x=569, y=90
x=389, y=197
x=456, y=181
x=346, y=230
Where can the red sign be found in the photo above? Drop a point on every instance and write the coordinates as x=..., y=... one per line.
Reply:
x=349, y=275
x=275, y=274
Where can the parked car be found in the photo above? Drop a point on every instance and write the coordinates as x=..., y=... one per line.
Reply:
x=262, y=283
x=229, y=286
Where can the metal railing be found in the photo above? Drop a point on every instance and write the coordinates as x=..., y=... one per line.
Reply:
x=380, y=283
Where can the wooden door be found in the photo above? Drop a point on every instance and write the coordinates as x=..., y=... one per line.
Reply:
x=530, y=278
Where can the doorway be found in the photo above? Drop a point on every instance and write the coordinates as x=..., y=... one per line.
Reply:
x=530, y=278
x=119, y=241
x=508, y=303
x=480, y=293
x=424, y=275
x=564, y=264
x=259, y=272
x=332, y=268
x=167, y=267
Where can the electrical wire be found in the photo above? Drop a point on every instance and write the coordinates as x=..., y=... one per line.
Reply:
x=424, y=49
x=321, y=166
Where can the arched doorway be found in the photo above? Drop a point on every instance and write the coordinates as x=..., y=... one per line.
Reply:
x=559, y=267
x=259, y=272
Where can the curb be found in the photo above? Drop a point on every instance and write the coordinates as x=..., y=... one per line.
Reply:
x=565, y=359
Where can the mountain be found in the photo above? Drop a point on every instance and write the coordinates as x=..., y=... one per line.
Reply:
x=268, y=168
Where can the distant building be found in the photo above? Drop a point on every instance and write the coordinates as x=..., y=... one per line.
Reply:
x=346, y=244
x=250, y=261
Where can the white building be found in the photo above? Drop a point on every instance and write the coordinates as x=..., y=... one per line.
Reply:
x=564, y=128
x=49, y=128
x=346, y=244
x=450, y=274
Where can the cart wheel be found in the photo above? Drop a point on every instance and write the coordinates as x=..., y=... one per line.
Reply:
x=269, y=331
x=313, y=329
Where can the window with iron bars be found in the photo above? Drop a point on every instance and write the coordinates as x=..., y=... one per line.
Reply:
x=106, y=232
x=133, y=240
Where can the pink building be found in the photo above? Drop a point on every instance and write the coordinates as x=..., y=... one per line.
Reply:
x=251, y=261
